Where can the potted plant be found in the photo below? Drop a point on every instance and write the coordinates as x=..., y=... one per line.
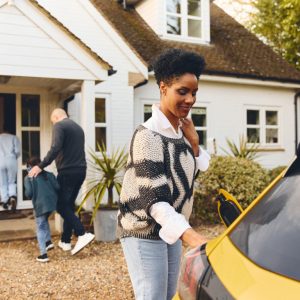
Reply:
x=105, y=176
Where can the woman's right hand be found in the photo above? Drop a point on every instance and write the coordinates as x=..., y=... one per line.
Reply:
x=193, y=238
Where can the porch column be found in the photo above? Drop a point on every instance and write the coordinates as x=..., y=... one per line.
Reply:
x=88, y=112
x=88, y=125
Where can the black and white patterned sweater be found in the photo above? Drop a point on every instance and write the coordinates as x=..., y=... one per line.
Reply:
x=159, y=169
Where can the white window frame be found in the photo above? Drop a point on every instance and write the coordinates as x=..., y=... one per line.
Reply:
x=143, y=102
x=183, y=37
x=105, y=124
x=262, y=126
x=203, y=128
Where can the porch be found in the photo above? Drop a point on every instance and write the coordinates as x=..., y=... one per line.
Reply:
x=42, y=65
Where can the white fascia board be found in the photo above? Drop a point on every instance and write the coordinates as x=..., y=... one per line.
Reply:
x=3, y=2
x=116, y=38
x=249, y=81
x=60, y=37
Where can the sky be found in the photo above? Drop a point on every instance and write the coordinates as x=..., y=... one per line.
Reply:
x=238, y=9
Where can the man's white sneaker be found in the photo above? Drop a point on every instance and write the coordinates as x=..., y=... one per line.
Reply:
x=82, y=241
x=64, y=246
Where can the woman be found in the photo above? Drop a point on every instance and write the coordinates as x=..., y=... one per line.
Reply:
x=156, y=198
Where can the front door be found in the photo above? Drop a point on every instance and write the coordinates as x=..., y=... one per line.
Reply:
x=20, y=112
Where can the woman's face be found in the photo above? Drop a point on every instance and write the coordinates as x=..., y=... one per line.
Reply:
x=179, y=96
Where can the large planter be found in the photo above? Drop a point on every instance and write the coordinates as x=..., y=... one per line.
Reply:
x=85, y=218
x=105, y=224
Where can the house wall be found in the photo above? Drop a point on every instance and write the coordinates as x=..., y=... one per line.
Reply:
x=99, y=36
x=25, y=49
x=226, y=113
x=152, y=12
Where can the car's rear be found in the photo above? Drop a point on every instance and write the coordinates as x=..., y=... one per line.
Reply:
x=258, y=256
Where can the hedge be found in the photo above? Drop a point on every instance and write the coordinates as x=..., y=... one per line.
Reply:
x=243, y=178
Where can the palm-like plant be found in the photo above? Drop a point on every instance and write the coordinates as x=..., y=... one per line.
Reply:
x=244, y=150
x=106, y=175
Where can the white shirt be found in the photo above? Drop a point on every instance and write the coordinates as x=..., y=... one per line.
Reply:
x=173, y=224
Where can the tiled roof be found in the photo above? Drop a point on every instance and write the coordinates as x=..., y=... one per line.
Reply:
x=105, y=64
x=233, y=50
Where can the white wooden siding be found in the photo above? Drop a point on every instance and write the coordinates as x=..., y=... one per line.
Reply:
x=26, y=50
x=94, y=30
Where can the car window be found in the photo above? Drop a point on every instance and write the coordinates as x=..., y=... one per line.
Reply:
x=270, y=233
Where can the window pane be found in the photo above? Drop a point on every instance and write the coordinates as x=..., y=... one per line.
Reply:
x=30, y=110
x=30, y=145
x=194, y=8
x=173, y=25
x=253, y=135
x=100, y=110
x=147, y=112
x=199, y=116
x=271, y=117
x=173, y=6
x=100, y=134
x=24, y=173
x=272, y=136
x=194, y=28
x=252, y=117
x=269, y=233
x=202, y=137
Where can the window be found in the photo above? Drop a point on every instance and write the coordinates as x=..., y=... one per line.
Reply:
x=184, y=18
x=199, y=117
x=147, y=112
x=100, y=121
x=30, y=126
x=263, y=126
x=269, y=232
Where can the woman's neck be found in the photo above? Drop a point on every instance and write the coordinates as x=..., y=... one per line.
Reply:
x=172, y=119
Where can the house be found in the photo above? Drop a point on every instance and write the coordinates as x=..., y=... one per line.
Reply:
x=93, y=57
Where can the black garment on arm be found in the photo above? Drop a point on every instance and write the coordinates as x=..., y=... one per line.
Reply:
x=67, y=147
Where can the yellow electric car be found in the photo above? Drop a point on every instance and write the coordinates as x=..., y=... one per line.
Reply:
x=258, y=256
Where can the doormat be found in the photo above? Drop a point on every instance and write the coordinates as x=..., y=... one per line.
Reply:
x=8, y=215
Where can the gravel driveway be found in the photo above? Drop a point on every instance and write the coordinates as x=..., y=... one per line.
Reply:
x=97, y=272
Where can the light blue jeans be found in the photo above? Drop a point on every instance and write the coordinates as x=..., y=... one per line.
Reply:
x=153, y=267
x=43, y=231
x=8, y=177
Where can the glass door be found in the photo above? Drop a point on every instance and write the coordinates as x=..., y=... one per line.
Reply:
x=29, y=129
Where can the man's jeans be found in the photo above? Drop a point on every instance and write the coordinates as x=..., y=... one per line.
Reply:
x=153, y=267
x=43, y=231
x=69, y=187
x=8, y=176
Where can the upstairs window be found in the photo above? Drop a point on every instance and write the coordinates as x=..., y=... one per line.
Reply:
x=185, y=19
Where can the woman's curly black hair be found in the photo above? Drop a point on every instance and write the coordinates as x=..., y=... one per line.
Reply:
x=173, y=63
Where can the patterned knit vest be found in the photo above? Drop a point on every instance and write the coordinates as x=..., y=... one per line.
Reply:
x=159, y=169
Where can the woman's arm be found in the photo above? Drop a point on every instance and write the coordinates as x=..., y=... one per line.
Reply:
x=174, y=225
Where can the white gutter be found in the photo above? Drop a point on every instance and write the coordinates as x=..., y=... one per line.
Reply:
x=248, y=81
x=258, y=82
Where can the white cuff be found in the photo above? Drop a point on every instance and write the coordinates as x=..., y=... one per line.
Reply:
x=173, y=224
x=202, y=161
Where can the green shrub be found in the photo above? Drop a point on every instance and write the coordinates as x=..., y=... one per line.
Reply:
x=245, y=149
x=243, y=178
x=273, y=173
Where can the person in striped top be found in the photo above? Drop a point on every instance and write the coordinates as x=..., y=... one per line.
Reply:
x=157, y=193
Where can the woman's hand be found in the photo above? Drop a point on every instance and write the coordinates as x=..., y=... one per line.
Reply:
x=191, y=134
x=193, y=238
